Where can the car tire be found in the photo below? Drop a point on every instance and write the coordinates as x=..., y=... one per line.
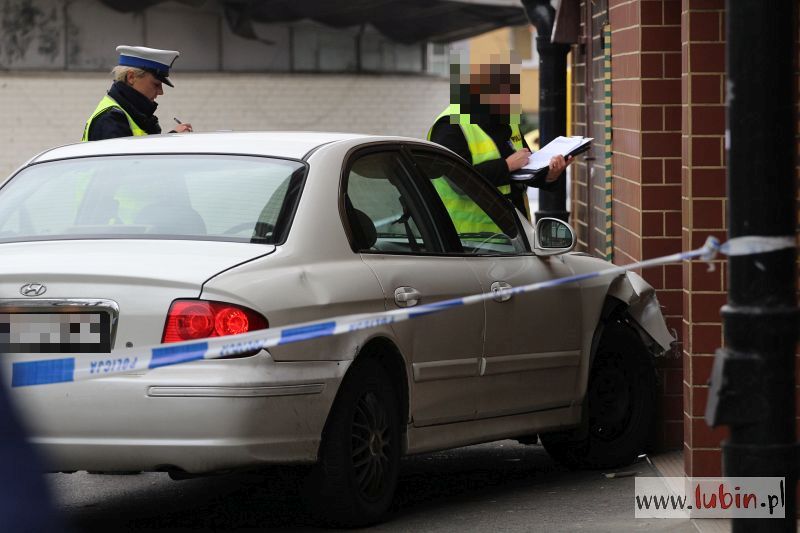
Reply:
x=354, y=481
x=619, y=409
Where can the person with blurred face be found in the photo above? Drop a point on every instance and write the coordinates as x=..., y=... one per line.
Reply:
x=481, y=124
x=128, y=108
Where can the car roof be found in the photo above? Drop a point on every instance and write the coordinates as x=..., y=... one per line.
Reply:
x=289, y=144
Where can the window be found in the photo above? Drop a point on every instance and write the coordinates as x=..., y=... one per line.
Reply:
x=484, y=220
x=382, y=209
x=185, y=196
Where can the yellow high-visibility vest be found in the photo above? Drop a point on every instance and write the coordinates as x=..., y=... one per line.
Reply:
x=106, y=103
x=466, y=215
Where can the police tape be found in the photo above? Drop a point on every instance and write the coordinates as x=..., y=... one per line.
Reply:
x=126, y=360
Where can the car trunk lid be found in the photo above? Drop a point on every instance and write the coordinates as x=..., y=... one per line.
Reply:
x=140, y=277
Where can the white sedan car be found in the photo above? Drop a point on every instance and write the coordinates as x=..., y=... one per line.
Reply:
x=133, y=242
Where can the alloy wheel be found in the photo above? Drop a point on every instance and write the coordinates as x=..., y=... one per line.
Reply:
x=370, y=446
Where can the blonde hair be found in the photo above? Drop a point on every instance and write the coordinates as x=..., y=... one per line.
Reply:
x=120, y=73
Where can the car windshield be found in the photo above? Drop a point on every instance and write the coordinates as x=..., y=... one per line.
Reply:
x=204, y=197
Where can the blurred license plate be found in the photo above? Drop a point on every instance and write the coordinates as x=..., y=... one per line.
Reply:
x=55, y=332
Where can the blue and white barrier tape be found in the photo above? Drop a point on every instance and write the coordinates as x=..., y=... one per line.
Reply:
x=90, y=366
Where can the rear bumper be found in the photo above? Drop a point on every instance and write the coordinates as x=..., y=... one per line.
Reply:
x=199, y=417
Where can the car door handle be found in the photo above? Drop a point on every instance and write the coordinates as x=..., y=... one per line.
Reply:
x=499, y=286
x=406, y=296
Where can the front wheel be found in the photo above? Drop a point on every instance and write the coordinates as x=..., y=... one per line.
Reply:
x=354, y=481
x=620, y=406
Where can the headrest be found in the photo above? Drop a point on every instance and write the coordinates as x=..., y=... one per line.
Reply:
x=363, y=229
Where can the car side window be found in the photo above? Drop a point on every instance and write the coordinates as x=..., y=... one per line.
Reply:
x=484, y=221
x=381, y=207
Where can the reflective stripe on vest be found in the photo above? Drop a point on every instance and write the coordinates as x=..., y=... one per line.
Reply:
x=106, y=103
x=466, y=215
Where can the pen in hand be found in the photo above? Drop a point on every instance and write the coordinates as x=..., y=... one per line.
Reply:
x=188, y=127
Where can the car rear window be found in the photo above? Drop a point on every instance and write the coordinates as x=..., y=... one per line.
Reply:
x=219, y=197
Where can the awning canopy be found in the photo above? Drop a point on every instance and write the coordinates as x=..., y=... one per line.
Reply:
x=404, y=21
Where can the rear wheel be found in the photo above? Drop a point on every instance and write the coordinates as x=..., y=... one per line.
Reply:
x=354, y=481
x=620, y=406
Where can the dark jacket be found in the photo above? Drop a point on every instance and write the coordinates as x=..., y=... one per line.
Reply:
x=495, y=171
x=113, y=123
x=25, y=501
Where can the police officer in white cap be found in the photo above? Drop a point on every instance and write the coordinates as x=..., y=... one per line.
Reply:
x=127, y=110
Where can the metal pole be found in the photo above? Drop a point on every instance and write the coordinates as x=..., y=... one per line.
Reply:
x=552, y=99
x=752, y=385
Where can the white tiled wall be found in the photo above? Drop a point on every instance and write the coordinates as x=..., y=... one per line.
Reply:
x=41, y=110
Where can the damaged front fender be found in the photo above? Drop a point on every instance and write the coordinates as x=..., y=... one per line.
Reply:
x=644, y=309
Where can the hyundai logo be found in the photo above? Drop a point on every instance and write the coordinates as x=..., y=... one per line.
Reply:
x=32, y=289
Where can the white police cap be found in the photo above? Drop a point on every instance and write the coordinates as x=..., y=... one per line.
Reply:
x=153, y=60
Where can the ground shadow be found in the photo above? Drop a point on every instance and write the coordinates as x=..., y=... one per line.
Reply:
x=272, y=498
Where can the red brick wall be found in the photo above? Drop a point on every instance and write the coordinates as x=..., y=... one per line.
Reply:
x=588, y=176
x=703, y=191
x=646, y=190
x=646, y=197
x=660, y=59
x=626, y=113
x=669, y=187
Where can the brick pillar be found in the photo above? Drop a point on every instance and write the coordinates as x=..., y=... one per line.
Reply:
x=646, y=197
x=661, y=188
x=703, y=191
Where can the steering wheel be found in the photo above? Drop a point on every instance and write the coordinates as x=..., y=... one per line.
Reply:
x=260, y=229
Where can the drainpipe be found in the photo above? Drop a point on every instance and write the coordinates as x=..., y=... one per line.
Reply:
x=552, y=99
x=752, y=384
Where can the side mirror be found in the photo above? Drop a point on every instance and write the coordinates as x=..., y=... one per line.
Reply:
x=553, y=237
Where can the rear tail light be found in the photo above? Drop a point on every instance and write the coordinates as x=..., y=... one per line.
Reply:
x=200, y=319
